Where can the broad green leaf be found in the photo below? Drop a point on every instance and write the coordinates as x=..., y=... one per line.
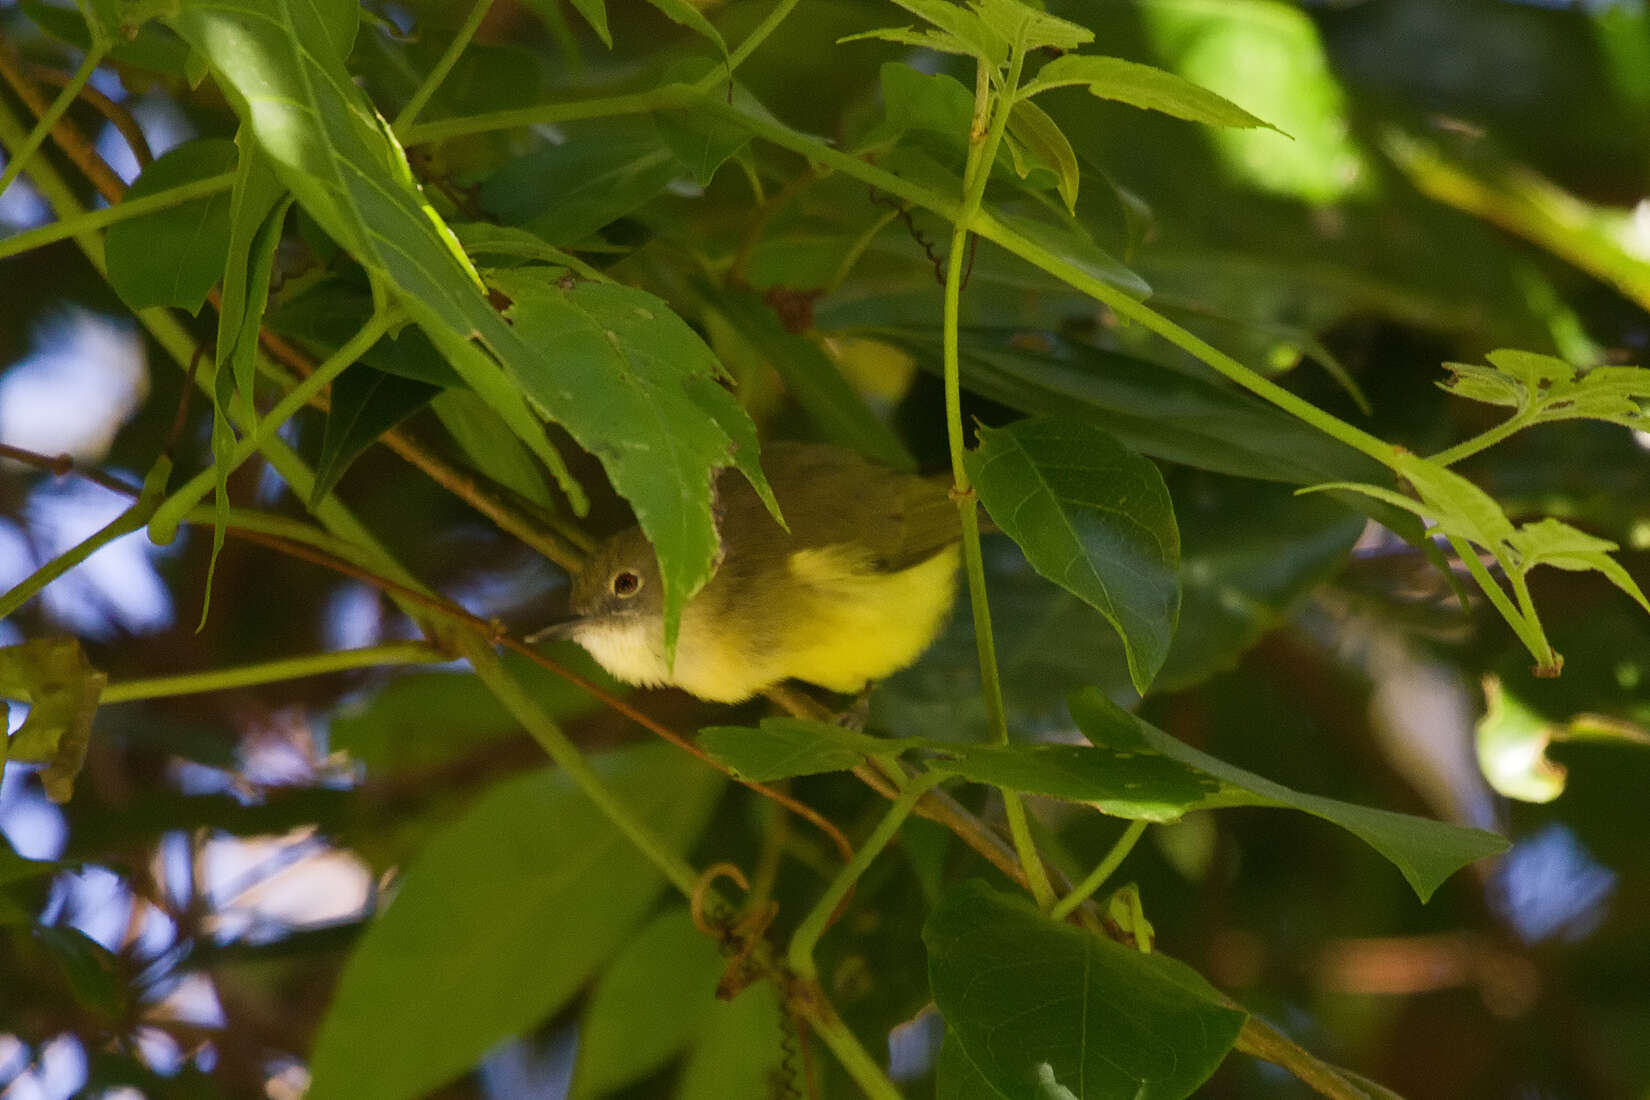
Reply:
x=1028, y=27
x=365, y=404
x=172, y=257
x=1425, y=852
x=499, y=922
x=1512, y=740
x=702, y=142
x=739, y=1051
x=1045, y=1011
x=325, y=315
x=281, y=67
x=566, y=192
x=839, y=414
x=650, y=1003
x=639, y=390
x=1093, y=517
x=61, y=687
x=784, y=747
x=956, y=1077
x=488, y=444
x=1124, y=783
x=1042, y=138
x=1142, y=86
x=1158, y=411
x=934, y=103
x=484, y=239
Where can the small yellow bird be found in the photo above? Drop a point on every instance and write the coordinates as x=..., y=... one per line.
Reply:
x=855, y=591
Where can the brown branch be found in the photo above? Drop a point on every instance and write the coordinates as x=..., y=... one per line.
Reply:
x=65, y=134
x=116, y=113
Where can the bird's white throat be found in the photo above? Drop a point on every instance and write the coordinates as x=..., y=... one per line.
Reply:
x=631, y=647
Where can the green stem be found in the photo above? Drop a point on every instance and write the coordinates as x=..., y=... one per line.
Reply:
x=542, y=729
x=449, y=58
x=132, y=519
x=859, y=1064
x=656, y=99
x=752, y=41
x=800, y=955
x=1482, y=440
x=1549, y=662
x=92, y=220
x=269, y=672
x=1533, y=640
x=978, y=170
x=1102, y=871
x=164, y=526
x=20, y=153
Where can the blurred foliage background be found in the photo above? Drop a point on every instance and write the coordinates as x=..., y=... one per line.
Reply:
x=1460, y=177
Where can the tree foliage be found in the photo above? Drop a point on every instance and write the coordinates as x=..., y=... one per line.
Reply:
x=1272, y=387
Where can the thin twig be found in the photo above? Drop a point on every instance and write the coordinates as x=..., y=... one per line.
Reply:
x=116, y=113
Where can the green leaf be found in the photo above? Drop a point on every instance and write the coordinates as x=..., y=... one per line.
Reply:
x=739, y=1049
x=1029, y=28
x=566, y=192
x=1143, y=86
x=684, y=13
x=839, y=414
x=934, y=103
x=963, y=31
x=365, y=404
x=256, y=213
x=486, y=441
x=152, y=47
x=173, y=257
x=784, y=747
x=1555, y=543
x=639, y=390
x=1512, y=741
x=648, y=1006
x=594, y=12
x=1156, y=410
x=281, y=67
x=1042, y=138
x=61, y=687
x=499, y=922
x=1045, y=1010
x=1546, y=389
x=1093, y=517
x=1425, y=852
x=1122, y=782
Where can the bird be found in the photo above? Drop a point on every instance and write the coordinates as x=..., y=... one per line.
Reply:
x=855, y=589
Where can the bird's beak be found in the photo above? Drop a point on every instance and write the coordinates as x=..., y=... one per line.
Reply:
x=561, y=628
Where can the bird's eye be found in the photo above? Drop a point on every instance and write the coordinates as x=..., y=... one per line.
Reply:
x=626, y=582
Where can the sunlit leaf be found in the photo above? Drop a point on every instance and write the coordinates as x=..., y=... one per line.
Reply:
x=61, y=687
x=1512, y=741
x=1042, y=138
x=1028, y=27
x=1143, y=86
